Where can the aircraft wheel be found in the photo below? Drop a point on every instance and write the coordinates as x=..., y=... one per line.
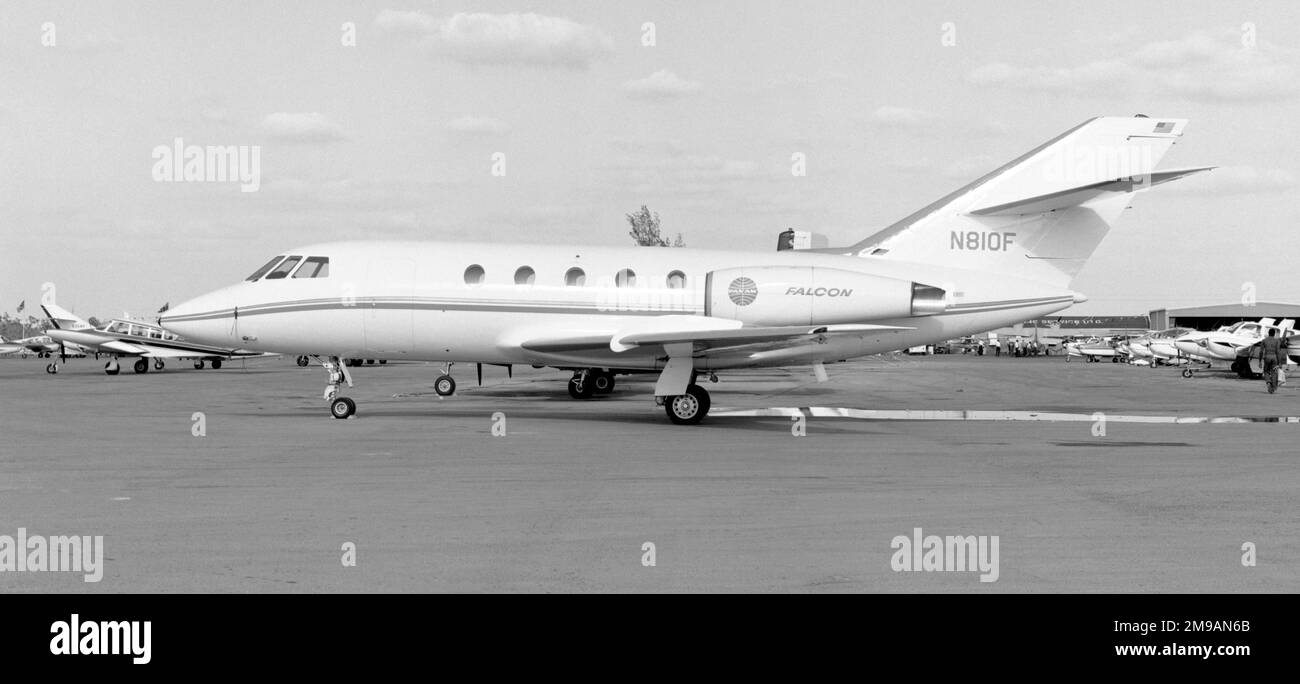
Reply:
x=604, y=382
x=1187, y=372
x=383, y=361
x=579, y=389
x=689, y=408
x=445, y=386
x=198, y=365
x=342, y=407
x=303, y=361
x=370, y=362
x=141, y=366
x=216, y=364
x=158, y=364
x=112, y=368
x=52, y=369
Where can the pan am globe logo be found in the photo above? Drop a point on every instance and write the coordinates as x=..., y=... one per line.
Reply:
x=742, y=291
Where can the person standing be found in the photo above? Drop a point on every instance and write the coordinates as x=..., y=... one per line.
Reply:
x=1271, y=352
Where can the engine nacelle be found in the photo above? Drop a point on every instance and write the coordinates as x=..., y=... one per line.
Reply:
x=814, y=295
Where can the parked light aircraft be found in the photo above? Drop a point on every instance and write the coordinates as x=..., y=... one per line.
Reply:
x=120, y=338
x=1220, y=347
x=998, y=251
x=40, y=345
x=1159, y=347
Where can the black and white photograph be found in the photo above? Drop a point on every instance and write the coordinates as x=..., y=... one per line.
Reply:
x=450, y=297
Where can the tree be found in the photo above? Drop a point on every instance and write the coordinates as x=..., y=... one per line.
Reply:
x=645, y=230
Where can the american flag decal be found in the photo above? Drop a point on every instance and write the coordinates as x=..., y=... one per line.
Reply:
x=1165, y=127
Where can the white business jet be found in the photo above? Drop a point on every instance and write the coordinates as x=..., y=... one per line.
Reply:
x=998, y=251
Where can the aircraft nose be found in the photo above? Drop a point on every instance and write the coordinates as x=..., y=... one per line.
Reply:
x=207, y=319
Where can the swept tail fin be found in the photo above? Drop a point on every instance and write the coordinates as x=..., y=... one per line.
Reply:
x=1042, y=215
x=63, y=319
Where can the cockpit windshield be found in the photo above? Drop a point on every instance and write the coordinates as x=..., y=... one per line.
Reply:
x=263, y=270
x=283, y=269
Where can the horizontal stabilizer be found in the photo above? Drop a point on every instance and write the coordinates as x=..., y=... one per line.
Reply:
x=1071, y=197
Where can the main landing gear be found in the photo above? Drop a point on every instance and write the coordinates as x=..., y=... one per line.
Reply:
x=689, y=408
x=590, y=381
x=112, y=367
x=445, y=385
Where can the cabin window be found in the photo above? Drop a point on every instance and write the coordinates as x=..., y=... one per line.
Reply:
x=676, y=280
x=625, y=278
x=263, y=270
x=314, y=267
x=474, y=275
x=575, y=277
x=283, y=269
x=525, y=276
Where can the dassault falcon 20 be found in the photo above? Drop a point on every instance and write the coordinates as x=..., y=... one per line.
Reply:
x=1002, y=249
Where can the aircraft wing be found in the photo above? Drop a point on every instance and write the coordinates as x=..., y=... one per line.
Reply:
x=711, y=339
x=703, y=332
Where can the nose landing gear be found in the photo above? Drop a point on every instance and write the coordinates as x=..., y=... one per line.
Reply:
x=340, y=407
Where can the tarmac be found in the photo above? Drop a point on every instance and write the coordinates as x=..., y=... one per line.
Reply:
x=271, y=492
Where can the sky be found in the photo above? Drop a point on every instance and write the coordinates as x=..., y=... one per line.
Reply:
x=387, y=120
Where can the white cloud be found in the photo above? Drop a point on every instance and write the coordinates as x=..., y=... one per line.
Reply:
x=413, y=22
x=902, y=117
x=473, y=125
x=96, y=43
x=309, y=127
x=661, y=84
x=1200, y=66
x=500, y=39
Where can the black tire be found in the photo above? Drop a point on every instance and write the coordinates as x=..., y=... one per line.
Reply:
x=303, y=361
x=216, y=364
x=445, y=386
x=342, y=407
x=52, y=368
x=198, y=365
x=370, y=362
x=112, y=368
x=689, y=408
x=1187, y=372
x=579, y=389
x=383, y=361
x=158, y=364
x=141, y=366
x=604, y=382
